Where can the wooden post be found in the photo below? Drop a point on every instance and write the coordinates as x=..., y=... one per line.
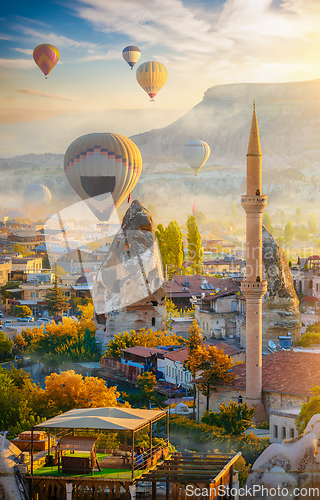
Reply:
x=31, y=458
x=150, y=442
x=168, y=426
x=230, y=480
x=132, y=455
x=49, y=444
x=154, y=490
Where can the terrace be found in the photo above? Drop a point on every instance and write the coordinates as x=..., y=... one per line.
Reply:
x=76, y=459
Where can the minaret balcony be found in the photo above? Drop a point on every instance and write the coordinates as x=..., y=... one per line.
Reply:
x=253, y=204
x=254, y=289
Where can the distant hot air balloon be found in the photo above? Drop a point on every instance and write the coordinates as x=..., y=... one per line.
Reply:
x=152, y=76
x=196, y=154
x=131, y=55
x=46, y=57
x=36, y=198
x=103, y=169
x=13, y=209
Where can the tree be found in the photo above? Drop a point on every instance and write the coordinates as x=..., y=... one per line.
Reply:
x=194, y=341
x=71, y=390
x=214, y=365
x=298, y=216
x=56, y=302
x=146, y=383
x=195, y=250
x=309, y=409
x=22, y=311
x=234, y=418
x=6, y=345
x=144, y=338
x=288, y=233
x=170, y=243
x=266, y=221
x=312, y=223
x=17, y=248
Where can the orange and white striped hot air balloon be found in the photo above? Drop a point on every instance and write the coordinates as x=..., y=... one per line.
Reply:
x=46, y=57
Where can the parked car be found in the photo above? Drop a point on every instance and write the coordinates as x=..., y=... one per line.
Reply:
x=44, y=320
x=26, y=319
x=1, y=314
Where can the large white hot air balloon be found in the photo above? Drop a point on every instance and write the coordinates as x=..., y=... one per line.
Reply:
x=196, y=153
x=103, y=169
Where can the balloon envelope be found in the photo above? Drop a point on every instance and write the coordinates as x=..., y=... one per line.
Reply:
x=196, y=154
x=152, y=76
x=131, y=55
x=46, y=57
x=36, y=198
x=103, y=169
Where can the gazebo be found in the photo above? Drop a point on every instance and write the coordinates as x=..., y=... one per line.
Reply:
x=111, y=419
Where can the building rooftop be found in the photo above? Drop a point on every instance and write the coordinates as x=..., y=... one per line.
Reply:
x=143, y=352
x=288, y=372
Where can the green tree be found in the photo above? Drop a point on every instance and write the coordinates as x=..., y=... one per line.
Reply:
x=146, y=383
x=170, y=243
x=309, y=409
x=234, y=418
x=312, y=223
x=195, y=250
x=6, y=345
x=193, y=342
x=55, y=301
x=298, y=216
x=288, y=233
x=22, y=311
x=266, y=221
x=17, y=248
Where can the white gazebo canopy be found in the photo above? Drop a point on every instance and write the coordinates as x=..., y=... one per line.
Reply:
x=107, y=418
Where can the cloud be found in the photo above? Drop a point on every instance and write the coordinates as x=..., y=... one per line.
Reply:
x=218, y=41
x=16, y=63
x=29, y=52
x=53, y=38
x=44, y=94
x=111, y=54
x=5, y=37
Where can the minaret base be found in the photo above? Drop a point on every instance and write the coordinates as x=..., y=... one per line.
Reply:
x=260, y=414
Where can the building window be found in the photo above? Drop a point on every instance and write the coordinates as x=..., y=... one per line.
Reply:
x=275, y=431
x=233, y=306
x=240, y=399
x=284, y=433
x=153, y=322
x=292, y=433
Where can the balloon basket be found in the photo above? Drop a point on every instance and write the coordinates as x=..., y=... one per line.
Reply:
x=151, y=100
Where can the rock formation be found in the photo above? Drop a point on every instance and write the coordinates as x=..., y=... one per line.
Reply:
x=128, y=289
x=292, y=465
x=280, y=309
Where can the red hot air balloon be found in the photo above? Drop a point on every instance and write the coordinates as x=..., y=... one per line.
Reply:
x=46, y=57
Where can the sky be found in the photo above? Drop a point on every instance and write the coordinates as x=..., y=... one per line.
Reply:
x=202, y=44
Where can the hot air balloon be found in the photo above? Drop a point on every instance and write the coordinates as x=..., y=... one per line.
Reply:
x=13, y=209
x=103, y=169
x=196, y=154
x=46, y=57
x=131, y=55
x=152, y=76
x=36, y=198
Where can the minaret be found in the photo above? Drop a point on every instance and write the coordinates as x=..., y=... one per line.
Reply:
x=253, y=288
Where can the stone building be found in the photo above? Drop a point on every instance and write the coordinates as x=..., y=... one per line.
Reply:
x=128, y=292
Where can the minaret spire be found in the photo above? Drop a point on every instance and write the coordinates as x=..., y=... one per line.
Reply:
x=253, y=288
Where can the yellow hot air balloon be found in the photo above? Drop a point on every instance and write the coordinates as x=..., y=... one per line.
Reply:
x=196, y=153
x=103, y=169
x=152, y=76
